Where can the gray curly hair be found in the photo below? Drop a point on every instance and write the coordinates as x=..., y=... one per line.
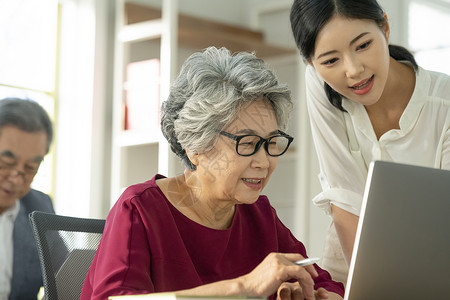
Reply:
x=207, y=95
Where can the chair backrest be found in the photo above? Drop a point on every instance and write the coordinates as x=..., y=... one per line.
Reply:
x=66, y=247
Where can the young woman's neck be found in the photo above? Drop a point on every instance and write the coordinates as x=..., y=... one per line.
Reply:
x=386, y=113
x=399, y=85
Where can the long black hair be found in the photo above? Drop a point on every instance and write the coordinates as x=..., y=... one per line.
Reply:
x=309, y=16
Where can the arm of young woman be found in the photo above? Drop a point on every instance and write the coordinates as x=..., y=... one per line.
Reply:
x=342, y=175
x=346, y=224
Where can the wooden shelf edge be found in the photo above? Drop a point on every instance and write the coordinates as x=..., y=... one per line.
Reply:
x=198, y=33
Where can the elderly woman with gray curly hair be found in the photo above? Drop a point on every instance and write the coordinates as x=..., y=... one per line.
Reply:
x=209, y=231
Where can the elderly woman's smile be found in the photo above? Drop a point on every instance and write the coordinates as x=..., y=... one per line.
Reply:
x=227, y=175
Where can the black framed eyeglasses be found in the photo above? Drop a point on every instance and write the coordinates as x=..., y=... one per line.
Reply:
x=249, y=144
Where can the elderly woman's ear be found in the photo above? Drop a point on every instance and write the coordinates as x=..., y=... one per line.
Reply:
x=192, y=157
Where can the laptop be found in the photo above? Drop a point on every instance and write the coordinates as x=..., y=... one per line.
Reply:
x=402, y=245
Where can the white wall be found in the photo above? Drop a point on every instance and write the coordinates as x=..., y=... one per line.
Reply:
x=397, y=16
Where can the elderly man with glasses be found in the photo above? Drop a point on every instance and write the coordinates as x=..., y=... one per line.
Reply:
x=25, y=137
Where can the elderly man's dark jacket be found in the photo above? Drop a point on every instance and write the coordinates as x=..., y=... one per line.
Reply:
x=27, y=276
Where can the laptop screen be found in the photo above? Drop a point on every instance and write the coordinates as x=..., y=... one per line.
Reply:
x=402, y=243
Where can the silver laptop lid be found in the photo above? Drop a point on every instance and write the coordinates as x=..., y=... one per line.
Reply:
x=402, y=246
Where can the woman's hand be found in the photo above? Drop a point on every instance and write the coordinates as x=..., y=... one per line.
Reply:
x=293, y=291
x=274, y=271
x=271, y=276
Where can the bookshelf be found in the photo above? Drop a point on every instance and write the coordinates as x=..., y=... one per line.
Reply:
x=144, y=34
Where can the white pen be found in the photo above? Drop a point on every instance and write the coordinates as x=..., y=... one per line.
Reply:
x=306, y=261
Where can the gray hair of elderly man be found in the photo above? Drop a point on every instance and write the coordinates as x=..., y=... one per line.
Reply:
x=212, y=87
x=26, y=115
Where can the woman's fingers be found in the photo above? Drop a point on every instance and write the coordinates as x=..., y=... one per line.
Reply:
x=321, y=293
x=311, y=270
x=275, y=271
x=290, y=291
x=284, y=293
x=307, y=284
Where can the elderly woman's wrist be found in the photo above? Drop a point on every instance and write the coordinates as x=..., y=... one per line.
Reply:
x=239, y=287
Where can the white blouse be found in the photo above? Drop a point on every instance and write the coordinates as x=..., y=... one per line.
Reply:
x=346, y=142
x=7, y=219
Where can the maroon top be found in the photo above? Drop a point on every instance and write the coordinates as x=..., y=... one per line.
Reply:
x=149, y=246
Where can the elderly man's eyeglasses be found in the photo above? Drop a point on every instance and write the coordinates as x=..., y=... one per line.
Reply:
x=9, y=169
x=249, y=144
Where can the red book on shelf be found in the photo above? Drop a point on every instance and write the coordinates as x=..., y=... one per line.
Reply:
x=142, y=96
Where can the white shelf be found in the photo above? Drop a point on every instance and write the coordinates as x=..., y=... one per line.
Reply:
x=139, y=154
x=141, y=31
x=129, y=138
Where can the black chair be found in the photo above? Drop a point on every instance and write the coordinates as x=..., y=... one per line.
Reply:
x=66, y=247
